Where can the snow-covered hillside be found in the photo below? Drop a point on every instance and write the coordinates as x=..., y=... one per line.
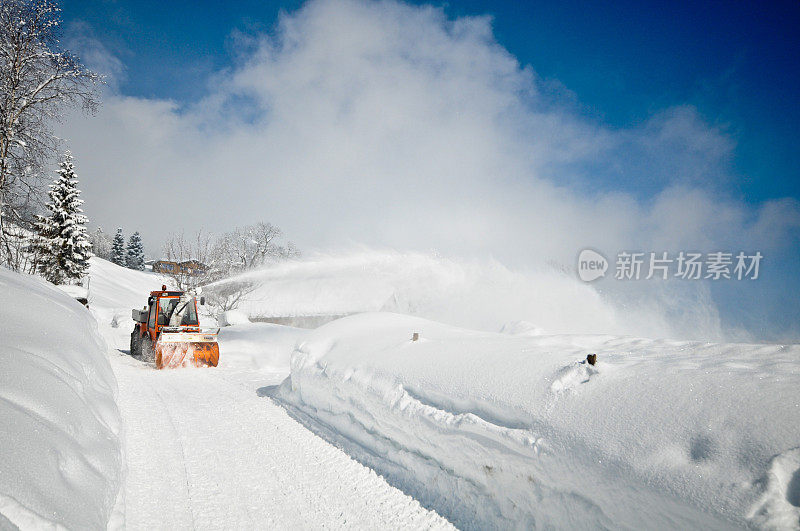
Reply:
x=60, y=455
x=497, y=431
x=113, y=292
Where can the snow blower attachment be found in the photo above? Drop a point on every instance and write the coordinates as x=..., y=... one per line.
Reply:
x=168, y=332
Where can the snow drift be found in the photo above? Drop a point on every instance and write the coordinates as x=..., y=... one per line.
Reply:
x=482, y=295
x=260, y=346
x=59, y=424
x=498, y=431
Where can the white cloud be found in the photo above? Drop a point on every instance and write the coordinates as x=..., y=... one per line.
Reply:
x=82, y=41
x=391, y=125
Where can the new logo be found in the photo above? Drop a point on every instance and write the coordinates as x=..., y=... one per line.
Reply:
x=591, y=265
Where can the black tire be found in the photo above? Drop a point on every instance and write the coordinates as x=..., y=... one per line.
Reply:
x=136, y=342
x=147, y=350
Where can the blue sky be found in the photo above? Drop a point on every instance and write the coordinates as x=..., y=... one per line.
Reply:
x=558, y=125
x=738, y=63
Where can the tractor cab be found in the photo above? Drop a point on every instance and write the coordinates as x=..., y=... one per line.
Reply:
x=171, y=308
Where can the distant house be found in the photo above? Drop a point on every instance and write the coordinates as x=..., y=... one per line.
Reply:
x=193, y=267
x=163, y=266
x=189, y=267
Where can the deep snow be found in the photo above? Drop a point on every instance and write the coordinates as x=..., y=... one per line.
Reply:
x=490, y=430
x=263, y=346
x=495, y=430
x=60, y=455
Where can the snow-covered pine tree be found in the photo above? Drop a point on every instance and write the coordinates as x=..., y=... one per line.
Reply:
x=118, y=249
x=135, y=256
x=61, y=244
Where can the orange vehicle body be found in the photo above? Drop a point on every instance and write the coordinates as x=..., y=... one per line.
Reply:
x=187, y=345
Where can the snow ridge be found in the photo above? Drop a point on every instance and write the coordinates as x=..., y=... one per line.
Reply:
x=496, y=431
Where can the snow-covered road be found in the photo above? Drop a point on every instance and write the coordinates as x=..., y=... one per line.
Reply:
x=206, y=450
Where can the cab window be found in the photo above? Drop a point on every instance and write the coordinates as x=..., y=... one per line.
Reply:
x=188, y=314
x=166, y=305
x=151, y=321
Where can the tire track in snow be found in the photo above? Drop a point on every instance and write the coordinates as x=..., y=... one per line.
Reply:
x=206, y=471
x=182, y=449
x=154, y=487
x=206, y=452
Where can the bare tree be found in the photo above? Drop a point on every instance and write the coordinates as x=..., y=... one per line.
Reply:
x=228, y=294
x=233, y=252
x=250, y=247
x=16, y=251
x=101, y=243
x=38, y=80
x=180, y=249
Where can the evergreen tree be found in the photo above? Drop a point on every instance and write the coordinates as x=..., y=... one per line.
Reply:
x=61, y=245
x=118, y=249
x=135, y=256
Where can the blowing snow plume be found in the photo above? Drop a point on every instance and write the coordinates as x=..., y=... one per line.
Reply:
x=392, y=125
x=483, y=295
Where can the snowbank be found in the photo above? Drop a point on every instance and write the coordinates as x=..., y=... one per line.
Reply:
x=521, y=328
x=497, y=431
x=60, y=459
x=232, y=317
x=74, y=291
x=262, y=346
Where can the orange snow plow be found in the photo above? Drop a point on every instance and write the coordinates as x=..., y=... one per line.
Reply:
x=178, y=348
x=168, y=332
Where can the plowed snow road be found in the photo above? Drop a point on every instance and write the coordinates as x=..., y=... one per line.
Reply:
x=205, y=451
